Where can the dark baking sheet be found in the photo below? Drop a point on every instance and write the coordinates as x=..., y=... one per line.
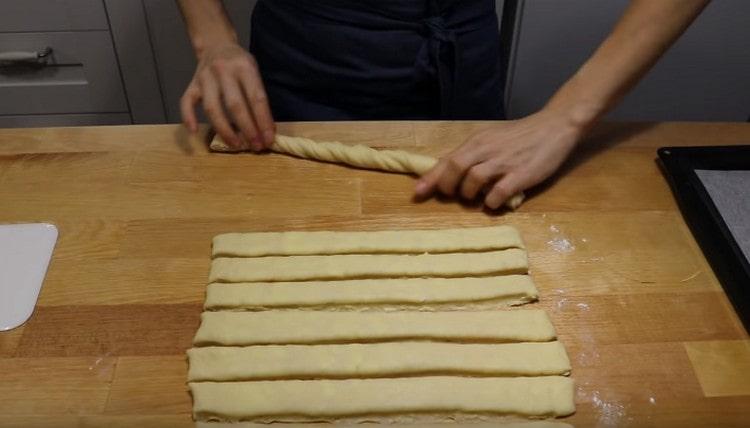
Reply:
x=730, y=193
x=712, y=188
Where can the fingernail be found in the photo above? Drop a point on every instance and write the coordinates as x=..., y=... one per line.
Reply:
x=256, y=144
x=420, y=187
x=268, y=136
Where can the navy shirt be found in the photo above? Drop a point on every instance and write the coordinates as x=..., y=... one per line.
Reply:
x=379, y=60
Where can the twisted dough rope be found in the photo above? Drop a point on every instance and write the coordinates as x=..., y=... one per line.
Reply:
x=356, y=155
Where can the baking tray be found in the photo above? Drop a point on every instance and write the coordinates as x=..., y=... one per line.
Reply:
x=712, y=216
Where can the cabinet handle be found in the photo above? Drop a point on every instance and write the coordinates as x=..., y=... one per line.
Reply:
x=38, y=58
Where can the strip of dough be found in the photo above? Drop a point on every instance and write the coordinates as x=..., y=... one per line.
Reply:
x=225, y=363
x=355, y=155
x=317, y=399
x=384, y=241
x=314, y=327
x=355, y=266
x=510, y=289
x=505, y=423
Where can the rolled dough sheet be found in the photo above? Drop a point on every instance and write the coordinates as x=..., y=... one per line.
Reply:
x=510, y=289
x=319, y=399
x=354, y=266
x=224, y=363
x=311, y=327
x=391, y=241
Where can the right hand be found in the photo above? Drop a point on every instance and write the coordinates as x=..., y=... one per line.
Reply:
x=228, y=82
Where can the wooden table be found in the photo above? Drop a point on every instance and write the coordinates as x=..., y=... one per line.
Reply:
x=651, y=335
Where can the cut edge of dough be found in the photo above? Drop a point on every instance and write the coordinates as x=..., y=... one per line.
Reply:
x=207, y=336
x=416, y=374
x=407, y=418
x=421, y=421
x=219, y=279
x=387, y=294
x=228, y=356
x=225, y=244
x=459, y=305
x=514, y=261
x=402, y=420
x=565, y=406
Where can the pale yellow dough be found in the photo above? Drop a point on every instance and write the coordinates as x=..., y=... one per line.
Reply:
x=393, y=422
x=310, y=327
x=508, y=290
x=314, y=327
x=354, y=155
x=225, y=363
x=320, y=399
x=354, y=266
x=386, y=241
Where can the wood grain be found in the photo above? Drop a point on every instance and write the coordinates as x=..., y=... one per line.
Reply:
x=96, y=421
x=109, y=330
x=652, y=337
x=150, y=385
x=127, y=281
x=60, y=385
x=722, y=366
x=9, y=341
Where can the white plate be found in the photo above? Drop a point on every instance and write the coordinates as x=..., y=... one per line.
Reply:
x=25, y=252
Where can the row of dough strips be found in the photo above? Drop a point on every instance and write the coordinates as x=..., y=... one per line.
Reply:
x=406, y=325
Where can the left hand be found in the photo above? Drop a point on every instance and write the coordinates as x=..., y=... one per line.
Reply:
x=503, y=160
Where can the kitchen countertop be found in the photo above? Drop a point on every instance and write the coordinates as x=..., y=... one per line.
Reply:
x=651, y=335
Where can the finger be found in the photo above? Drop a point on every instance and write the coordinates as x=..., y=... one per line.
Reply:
x=215, y=112
x=236, y=105
x=506, y=187
x=427, y=184
x=456, y=167
x=187, y=107
x=256, y=95
x=430, y=182
x=478, y=177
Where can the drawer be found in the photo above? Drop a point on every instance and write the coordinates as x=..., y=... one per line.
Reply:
x=52, y=15
x=81, y=75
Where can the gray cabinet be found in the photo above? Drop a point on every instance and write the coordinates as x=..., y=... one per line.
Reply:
x=132, y=42
x=78, y=78
x=704, y=76
x=52, y=15
x=113, y=61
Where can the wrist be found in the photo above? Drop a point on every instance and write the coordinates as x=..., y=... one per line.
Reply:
x=205, y=43
x=571, y=122
x=576, y=106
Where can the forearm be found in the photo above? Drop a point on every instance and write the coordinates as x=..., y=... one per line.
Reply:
x=643, y=33
x=207, y=24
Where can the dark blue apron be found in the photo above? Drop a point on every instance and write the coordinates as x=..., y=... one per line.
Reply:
x=379, y=59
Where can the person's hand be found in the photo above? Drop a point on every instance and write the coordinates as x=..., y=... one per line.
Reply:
x=228, y=83
x=503, y=160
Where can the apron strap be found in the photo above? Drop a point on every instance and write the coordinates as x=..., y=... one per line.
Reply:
x=438, y=57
